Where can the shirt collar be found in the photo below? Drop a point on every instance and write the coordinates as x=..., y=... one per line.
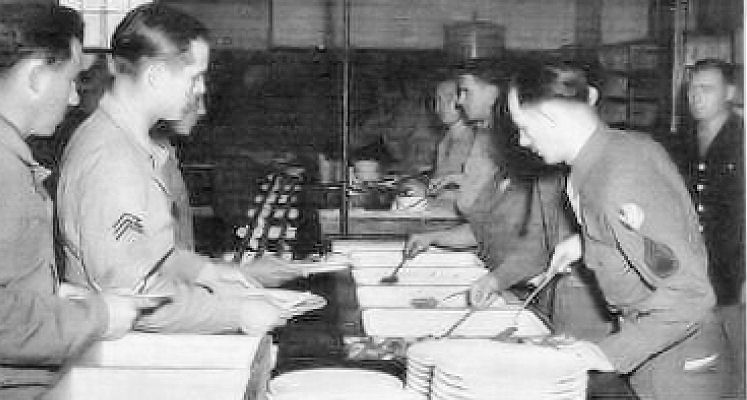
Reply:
x=588, y=156
x=119, y=114
x=11, y=139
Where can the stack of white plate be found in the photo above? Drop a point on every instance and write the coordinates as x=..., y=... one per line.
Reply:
x=423, y=358
x=511, y=371
x=420, y=366
x=482, y=369
x=337, y=384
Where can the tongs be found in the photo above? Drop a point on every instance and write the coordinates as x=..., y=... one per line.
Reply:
x=546, y=279
x=463, y=318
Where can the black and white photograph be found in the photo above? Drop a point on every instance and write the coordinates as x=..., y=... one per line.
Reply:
x=372, y=200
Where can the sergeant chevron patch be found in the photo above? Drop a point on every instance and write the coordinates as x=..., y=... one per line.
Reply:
x=126, y=224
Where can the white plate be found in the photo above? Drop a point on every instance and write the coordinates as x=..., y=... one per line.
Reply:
x=294, y=301
x=321, y=267
x=327, y=382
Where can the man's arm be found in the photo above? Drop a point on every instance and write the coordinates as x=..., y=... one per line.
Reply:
x=46, y=330
x=126, y=233
x=647, y=230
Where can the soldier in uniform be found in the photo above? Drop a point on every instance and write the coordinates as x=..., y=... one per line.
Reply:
x=115, y=205
x=456, y=145
x=40, y=57
x=639, y=235
x=520, y=216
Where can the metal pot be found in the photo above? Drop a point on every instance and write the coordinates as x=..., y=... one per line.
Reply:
x=469, y=40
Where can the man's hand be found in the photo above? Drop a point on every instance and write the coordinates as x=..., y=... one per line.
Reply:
x=260, y=315
x=122, y=312
x=483, y=291
x=590, y=355
x=566, y=253
x=225, y=278
x=420, y=242
x=439, y=183
x=271, y=271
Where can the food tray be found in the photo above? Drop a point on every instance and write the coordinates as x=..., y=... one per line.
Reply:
x=432, y=258
x=420, y=275
x=156, y=350
x=86, y=383
x=399, y=322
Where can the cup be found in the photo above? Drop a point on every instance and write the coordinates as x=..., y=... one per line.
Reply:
x=367, y=170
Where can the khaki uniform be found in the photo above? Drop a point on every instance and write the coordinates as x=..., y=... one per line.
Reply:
x=115, y=211
x=454, y=149
x=38, y=331
x=640, y=237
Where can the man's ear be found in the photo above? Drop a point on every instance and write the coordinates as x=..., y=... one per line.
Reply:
x=34, y=75
x=155, y=73
x=731, y=92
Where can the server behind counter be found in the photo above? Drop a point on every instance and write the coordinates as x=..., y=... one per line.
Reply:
x=400, y=133
x=518, y=215
x=640, y=237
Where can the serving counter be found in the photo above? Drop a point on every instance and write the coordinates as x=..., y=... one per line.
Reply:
x=383, y=222
x=365, y=324
x=150, y=366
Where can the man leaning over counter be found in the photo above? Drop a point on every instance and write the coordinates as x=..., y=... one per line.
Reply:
x=639, y=236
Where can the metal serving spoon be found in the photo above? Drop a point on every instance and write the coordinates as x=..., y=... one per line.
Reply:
x=432, y=302
x=392, y=277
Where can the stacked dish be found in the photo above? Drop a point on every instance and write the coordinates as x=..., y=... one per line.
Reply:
x=483, y=369
x=337, y=384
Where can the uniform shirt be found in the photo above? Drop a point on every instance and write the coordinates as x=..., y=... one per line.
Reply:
x=179, y=196
x=38, y=329
x=517, y=224
x=716, y=183
x=641, y=239
x=517, y=214
x=454, y=149
x=115, y=214
x=484, y=163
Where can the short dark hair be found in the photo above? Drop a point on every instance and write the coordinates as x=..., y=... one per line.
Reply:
x=33, y=30
x=153, y=30
x=537, y=81
x=487, y=70
x=727, y=70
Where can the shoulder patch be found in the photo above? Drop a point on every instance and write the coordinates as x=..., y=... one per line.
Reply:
x=632, y=216
x=660, y=258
